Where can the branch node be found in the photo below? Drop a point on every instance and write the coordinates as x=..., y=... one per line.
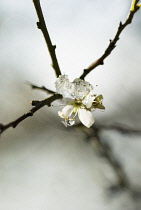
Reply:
x=38, y=25
x=34, y=102
x=120, y=24
x=30, y=113
x=54, y=47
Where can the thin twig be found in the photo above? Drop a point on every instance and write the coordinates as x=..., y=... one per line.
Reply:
x=112, y=44
x=42, y=25
x=38, y=105
x=40, y=88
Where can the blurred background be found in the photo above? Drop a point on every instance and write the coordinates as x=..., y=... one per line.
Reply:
x=44, y=165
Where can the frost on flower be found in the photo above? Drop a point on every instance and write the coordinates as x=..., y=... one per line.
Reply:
x=81, y=100
x=63, y=86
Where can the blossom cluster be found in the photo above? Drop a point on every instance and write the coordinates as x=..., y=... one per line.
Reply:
x=81, y=100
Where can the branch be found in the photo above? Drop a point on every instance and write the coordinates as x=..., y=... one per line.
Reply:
x=40, y=88
x=112, y=44
x=42, y=25
x=37, y=105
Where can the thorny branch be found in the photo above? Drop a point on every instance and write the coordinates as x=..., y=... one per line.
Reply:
x=112, y=44
x=42, y=25
x=37, y=105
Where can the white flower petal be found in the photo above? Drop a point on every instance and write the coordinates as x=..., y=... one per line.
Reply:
x=88, y=100
x=66, y=111
x=86, y=117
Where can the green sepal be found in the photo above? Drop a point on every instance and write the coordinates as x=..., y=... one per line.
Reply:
x=100, y=106
x=97, y=104
x=98, y=98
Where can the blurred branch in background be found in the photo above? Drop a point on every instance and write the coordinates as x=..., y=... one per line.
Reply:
x=124, y=129
x=103, y=148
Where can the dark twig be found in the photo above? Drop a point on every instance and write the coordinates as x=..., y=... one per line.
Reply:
x=42, y=25
x=38, y=105
x=40, y=88
x=112, y=44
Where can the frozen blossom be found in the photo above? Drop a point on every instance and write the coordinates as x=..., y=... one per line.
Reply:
x=81, y=100
x=64, y=86
x=76, y=89
x=81, y=88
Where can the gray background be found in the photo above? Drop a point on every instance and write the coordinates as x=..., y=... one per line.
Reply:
x=44, y=165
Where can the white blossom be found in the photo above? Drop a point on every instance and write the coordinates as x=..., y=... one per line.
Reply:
x=81, y=108
x=81, y=99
